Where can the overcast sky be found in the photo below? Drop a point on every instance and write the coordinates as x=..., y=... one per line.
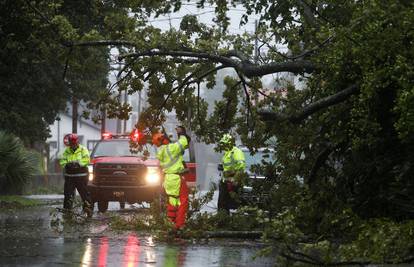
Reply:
x=206, y=16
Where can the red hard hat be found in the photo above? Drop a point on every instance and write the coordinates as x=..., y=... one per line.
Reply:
x=66, y=140
x=71, y=140
x=157, y=139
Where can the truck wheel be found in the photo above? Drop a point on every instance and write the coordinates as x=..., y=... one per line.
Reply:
x=102, y=206
x=122, y=205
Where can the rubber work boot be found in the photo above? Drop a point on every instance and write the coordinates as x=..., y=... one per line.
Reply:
x=88, y=209
x=67, y=214
x=179, y=233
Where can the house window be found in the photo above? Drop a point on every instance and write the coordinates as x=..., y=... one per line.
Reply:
x=53, y=144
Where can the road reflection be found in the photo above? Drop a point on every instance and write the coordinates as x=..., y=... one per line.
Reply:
x=109, y=254
x=174, y=256
x=26, y=240
x=131, y=251
x=103, y=251
x=87, y=255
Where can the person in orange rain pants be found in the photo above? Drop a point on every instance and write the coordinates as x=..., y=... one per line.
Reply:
x=170, y=156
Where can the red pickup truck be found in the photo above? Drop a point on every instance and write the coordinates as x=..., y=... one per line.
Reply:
x=116, y=174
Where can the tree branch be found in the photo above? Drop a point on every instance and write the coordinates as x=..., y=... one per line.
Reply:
x=201, y=55
x=118, y=82
x=311, y=108
x=253, y=87
x=302, y=54
x=228, y=105
x=103, y=43
x=303, y=255
x=320, y=159
x=299, y=66
x=248, y=103
x=237, y=54
x=186, y=82
x=66, y=63
x=246, y=67
x=49, y=22
x=308, y=14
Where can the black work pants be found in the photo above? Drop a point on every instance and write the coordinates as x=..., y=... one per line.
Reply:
x=228, y=196
x=78, y=183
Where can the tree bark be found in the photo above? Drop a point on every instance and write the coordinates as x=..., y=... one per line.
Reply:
x=316, y=106
x=245, y=67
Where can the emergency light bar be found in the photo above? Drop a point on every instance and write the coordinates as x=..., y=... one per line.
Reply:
x=106, y=136
x=135, y=136
x=138, y=137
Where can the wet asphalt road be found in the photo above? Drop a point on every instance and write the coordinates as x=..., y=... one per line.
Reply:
x=28, y=239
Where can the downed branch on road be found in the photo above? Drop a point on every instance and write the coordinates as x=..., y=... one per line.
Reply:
x=200, y=224
x=234, y=234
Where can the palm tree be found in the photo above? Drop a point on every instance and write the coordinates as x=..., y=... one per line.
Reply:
x=17, y=164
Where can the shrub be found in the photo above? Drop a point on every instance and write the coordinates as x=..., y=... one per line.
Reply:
x=17, y=164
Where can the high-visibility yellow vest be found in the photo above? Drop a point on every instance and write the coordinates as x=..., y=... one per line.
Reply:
x=81, y=155
x=171, y=156
x=234, y=160
x=171, y=161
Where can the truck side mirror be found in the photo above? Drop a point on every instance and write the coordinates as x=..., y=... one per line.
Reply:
x=220, y=167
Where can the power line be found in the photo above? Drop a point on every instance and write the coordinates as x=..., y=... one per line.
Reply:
x=230, y=8
x=168, y=19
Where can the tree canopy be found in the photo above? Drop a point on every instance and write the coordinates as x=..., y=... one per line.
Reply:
x=344, y=134
x=350, y=124
x=344, y=137
x=40, y=72
x=349, y=127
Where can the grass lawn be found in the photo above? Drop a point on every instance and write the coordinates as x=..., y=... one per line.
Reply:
x=11, y=202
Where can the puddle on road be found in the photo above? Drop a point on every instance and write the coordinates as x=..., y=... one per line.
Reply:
x=133, y=250
x=27, y=239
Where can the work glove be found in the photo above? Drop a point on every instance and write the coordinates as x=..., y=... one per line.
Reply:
x=229, y=173
x=181, y=131
x=73, y=165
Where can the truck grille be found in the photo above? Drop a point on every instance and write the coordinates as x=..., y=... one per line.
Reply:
x=111, y=174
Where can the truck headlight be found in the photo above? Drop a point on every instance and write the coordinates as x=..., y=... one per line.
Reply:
x=90, y=171
x=153, y=175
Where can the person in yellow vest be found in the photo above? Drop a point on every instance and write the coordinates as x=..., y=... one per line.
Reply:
x=74, y=161
x=233, y=167
x=170, y=156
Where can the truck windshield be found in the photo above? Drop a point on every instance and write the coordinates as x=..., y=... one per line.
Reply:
x=258, y=158
x=118, y=148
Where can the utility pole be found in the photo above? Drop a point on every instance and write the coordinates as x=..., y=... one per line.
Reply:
x=58, y=135
x=139, y=104
x=118, y=121
x=256, y=43
x=75, y=104
x=125, y=102
x=103, y=121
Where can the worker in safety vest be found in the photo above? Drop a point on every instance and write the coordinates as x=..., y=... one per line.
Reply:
x=233, y=167
x=170, y=156
x=74, y=161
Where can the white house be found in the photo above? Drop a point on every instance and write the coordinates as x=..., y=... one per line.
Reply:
x=88, y=132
